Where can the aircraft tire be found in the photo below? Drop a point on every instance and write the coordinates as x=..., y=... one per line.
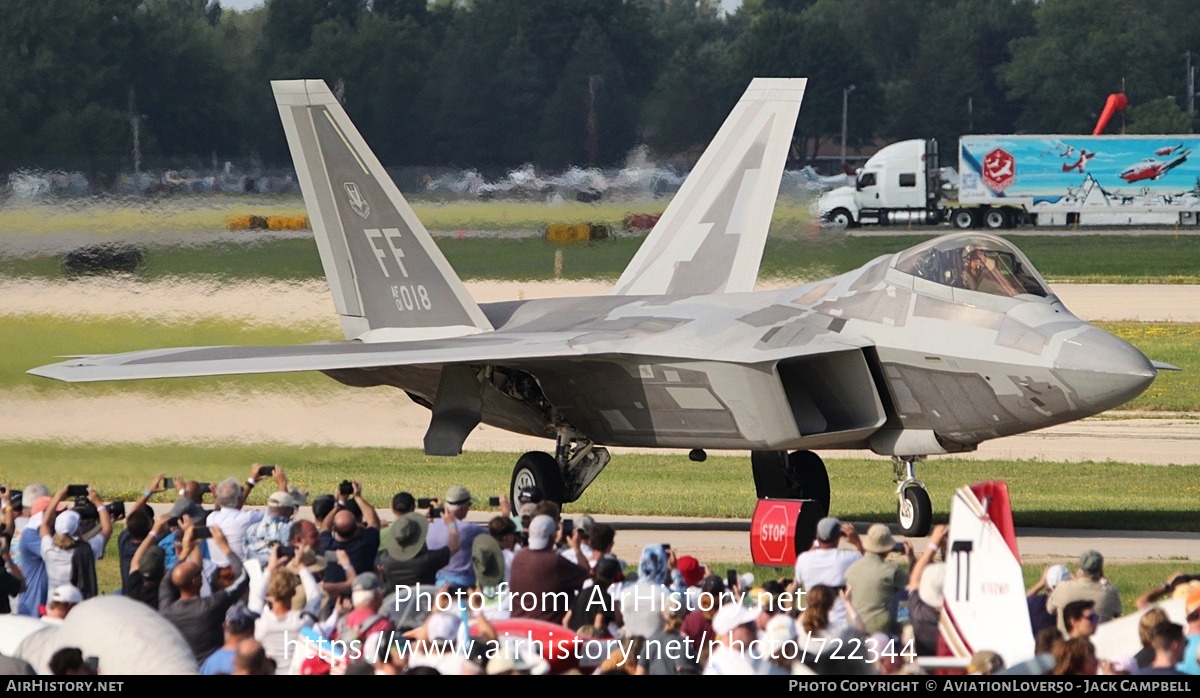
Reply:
x=540, y=469
x=807, y=470
x=915, y=512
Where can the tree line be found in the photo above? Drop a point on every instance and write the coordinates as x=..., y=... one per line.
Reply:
x=492, y=84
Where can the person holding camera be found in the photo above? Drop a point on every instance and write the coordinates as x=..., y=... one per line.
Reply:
x=149, y=563
x=406, y=559
x=342, y=530
x=273, y=529
x=234, y=520
x=459, y=572
x=28, y=547
x=12, y=582
x=139, y=521
x=191, y=499
x=68, y=559
x=199, y=618
x=874, y=582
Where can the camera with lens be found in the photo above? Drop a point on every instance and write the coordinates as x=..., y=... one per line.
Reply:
x=346, y=488
x=116, y=510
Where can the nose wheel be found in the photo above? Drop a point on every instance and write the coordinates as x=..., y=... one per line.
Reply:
x=914, y=512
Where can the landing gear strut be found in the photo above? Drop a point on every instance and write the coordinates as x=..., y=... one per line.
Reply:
x=563, y=477
x=795, y=475
x=913, y=511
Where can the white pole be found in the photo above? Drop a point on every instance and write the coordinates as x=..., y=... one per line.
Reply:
x=845, y=103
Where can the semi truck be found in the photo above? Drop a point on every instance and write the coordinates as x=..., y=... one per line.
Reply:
x=1014, y=180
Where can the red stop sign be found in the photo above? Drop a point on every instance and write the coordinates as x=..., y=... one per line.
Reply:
x=772, y=532
x=999, y=170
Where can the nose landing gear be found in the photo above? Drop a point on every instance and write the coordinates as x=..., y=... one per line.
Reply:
x=914, y=512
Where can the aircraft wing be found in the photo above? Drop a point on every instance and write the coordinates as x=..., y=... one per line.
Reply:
x=187, y=362
x=497, y=348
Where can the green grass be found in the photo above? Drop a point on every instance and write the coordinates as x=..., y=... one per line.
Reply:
x=34, y=340
x=791, y=253
x=1058, y=495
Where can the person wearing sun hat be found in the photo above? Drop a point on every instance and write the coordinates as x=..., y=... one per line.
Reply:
x=874, y=581
x=406, y=558
x=827, y=561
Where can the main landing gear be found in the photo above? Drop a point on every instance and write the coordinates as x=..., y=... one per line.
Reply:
x=795, y=475
x=802, y=475
x=562, y=477
x=913, y=510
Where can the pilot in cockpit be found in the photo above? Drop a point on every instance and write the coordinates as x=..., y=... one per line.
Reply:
x=974, y=269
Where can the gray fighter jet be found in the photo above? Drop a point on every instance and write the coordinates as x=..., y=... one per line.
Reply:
x=931, y=350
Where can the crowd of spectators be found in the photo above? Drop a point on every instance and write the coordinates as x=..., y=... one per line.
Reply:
x=332, y=587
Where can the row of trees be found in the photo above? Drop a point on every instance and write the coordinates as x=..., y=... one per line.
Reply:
x=491, y=84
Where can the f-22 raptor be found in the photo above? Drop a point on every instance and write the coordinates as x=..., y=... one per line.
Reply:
x=930, y=350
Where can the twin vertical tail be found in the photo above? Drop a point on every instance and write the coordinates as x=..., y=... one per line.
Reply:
x=710, y=239
x=389, y=280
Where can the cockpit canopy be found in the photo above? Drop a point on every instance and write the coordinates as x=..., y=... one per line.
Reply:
x=974, y=262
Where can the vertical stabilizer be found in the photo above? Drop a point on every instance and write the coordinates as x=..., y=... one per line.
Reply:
x=711, y=237
x=388, y=278
x=984, y=605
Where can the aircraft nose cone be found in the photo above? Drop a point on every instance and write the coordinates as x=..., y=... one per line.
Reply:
x=1102, y=370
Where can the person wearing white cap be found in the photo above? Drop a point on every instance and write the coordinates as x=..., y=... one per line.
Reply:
x=61, y=601
x=544, y=583
x=735, y=627
x=826, y=563
x=1035, y=598
x=925, y=594
x=272, y=529
x=67, y=557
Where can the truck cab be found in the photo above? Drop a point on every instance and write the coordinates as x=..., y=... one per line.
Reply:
x=898, y=184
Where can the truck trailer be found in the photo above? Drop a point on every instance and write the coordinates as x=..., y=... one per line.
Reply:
x=1007, y=181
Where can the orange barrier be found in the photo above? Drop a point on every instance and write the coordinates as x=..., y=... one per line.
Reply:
x=577, y=232
x=267, y=223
